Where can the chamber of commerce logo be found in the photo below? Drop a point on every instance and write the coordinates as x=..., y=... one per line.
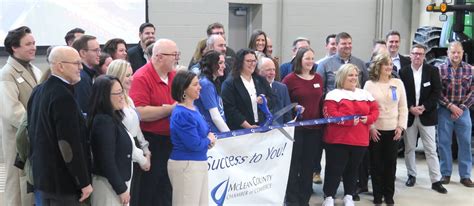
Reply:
x=220, y=201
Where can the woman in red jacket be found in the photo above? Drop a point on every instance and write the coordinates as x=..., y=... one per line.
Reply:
x=347, y=141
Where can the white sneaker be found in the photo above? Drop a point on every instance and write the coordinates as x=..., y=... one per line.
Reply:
x=328, y=201
x=348, y=200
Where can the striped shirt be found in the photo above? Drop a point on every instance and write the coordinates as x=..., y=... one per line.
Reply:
x=457, y=85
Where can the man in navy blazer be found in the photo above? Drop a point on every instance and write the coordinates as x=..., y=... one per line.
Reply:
x=60, y=153
x=267, y=69
x=423, y=88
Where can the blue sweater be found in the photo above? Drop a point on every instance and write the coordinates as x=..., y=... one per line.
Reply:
x=188, y=135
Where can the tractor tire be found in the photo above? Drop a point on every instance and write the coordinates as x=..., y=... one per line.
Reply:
x=429, y=37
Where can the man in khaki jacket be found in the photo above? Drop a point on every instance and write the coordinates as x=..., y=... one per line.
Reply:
x=18, y=77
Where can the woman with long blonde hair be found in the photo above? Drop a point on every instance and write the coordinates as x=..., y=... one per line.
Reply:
x=123, y=71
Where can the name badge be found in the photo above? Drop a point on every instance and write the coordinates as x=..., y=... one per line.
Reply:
x=316, y=85
x=20, y=80
x=394, y=92
x=426, y=84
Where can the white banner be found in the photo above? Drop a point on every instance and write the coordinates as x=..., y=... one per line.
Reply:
x=250, y=169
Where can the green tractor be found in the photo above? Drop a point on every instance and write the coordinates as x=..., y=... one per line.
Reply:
x=456, y=27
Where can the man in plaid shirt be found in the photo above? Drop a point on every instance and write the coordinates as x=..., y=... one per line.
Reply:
x=453, y=114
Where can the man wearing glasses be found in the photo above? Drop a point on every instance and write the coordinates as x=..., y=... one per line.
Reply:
x=218, y=29
x=151, y=93
x=423, y=88
x=17, y=79
x=60, y=154
x=89, y=50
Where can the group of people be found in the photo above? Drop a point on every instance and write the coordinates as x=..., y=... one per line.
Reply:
x=75, y=132
x=403, y=98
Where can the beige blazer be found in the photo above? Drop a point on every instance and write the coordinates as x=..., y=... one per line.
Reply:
x=16, y=85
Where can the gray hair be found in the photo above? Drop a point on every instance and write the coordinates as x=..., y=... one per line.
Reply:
x=298, y=39
x=211, y=40
x=261, y=61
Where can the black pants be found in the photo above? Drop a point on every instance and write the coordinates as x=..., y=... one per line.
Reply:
x=135, y=185
x=136, y=179
x=383, y=165
x=342, y=161
x=317, y=160
x=155, y=186
x=50, y=199
x=299, y=188
x=364, y=171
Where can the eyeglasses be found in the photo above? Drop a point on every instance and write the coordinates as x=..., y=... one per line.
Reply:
x=417, y=54
x=78, y=63
x=94, y=50
x=121, y=93
x=176, y=55
x=218, y=33
x=250, y=61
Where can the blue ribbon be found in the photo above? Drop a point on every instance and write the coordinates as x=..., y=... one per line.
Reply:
x=264, y=108
x=299, y=111
x=289, y=124
x=394, y=92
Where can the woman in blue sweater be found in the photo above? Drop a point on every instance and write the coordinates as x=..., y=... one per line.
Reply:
x=190, y=136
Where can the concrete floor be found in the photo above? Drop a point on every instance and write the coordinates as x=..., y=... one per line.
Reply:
x=419, y=195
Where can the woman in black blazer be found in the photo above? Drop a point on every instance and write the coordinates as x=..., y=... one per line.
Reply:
x=110, y=142
x=241, y=90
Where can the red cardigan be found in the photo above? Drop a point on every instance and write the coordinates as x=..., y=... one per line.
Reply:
x=341, y=102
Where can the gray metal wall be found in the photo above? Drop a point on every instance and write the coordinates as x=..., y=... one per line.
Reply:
x=185, y=21
x=284, y=20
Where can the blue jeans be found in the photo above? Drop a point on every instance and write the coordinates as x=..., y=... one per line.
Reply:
x=37, y=198
x=462, y=127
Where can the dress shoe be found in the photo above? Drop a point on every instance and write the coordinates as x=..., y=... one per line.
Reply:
x=317, y=178
x=438, y=187
x=361, y=190
x=378, y=201
x=389, y=201
x=356, y=197
x=411, y=181
x=467, y=182
x=445, y=180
